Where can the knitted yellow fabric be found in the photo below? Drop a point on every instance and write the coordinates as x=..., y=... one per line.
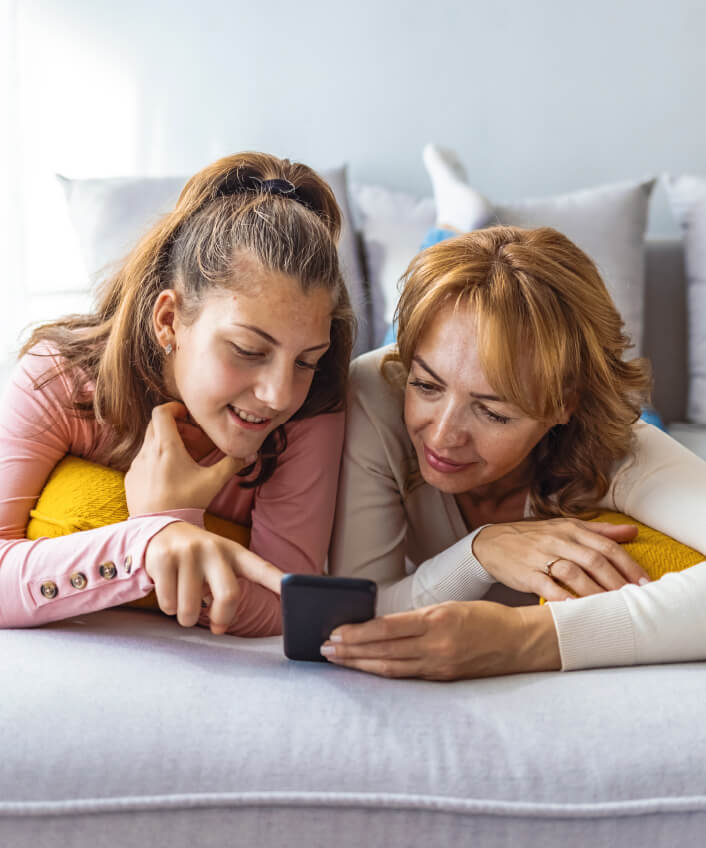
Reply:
x=81, y=495
x=655, y=552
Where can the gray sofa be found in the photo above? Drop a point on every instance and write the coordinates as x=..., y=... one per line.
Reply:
x=123, y=729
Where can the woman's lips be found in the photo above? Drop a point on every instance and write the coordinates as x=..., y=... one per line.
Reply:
x=248, y=425
x=445, y=466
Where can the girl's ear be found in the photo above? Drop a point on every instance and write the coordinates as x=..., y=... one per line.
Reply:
x=164, y=317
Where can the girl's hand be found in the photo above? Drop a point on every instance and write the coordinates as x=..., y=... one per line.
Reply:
x=532, y=556
x=164, y=476
x=449, y=641
x=189, y=565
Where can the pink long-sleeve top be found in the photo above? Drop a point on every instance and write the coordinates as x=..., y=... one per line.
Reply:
x=290, y=515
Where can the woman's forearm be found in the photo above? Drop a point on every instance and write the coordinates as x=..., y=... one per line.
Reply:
x=537, y=641
x=663, y=621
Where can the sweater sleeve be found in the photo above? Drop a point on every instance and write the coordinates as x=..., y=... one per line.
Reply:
x=664, y=486
x=663, y=621
x=49, y=579
x=292, y=517
x=370, y=530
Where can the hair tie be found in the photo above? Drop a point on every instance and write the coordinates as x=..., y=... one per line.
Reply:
x=284, y=188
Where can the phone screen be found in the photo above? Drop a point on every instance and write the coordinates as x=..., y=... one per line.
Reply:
x=313, y=606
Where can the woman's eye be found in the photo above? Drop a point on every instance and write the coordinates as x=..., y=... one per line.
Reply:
x=494, y=417
x=424, y=387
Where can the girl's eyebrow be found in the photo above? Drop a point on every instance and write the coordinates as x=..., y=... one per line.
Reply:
x=273, y=341
x=418, y=359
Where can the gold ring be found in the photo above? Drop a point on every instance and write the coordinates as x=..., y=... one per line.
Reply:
x=548, y=565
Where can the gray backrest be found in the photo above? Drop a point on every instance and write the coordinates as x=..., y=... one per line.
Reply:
x=665, y=326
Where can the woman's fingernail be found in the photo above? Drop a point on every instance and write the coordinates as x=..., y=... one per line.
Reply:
x=335, y=637
x=328, y=650
x=643, y=581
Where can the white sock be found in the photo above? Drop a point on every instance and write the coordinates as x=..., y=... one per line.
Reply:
x=458, y=205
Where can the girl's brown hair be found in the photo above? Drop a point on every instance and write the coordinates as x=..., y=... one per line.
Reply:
x=223, y=211
x=539, y=307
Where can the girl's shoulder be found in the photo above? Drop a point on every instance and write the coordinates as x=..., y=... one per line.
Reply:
x=44, y=369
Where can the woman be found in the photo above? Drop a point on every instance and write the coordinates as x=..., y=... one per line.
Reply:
x=228, y=326
x=507, y=398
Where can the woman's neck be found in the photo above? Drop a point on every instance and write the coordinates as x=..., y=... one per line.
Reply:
x=501, y=500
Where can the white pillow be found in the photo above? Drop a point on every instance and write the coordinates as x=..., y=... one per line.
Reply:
x=109, y=215
x=608, y=222
x=393, y=225
x=687, y=196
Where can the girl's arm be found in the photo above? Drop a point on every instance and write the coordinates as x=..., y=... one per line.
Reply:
x=49, y=579
x=292, y=517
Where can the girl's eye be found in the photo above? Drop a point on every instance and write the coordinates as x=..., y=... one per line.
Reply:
x=246, y=354
x=424, y=387
x=494, y=417
x=307, y=366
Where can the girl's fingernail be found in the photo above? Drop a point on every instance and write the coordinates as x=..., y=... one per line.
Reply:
x=335, y=637
x=328, y=650
x=643, y=581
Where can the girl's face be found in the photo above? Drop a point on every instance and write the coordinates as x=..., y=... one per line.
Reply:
x=245, y=365
x=465, y=436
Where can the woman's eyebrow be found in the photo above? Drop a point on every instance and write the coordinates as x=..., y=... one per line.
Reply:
x=273, y=341
x=420, y=361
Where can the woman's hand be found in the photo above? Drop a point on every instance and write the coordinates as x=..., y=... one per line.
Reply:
x=192, y=568
x=449, y=641
x=532, y=556
x=164, y=476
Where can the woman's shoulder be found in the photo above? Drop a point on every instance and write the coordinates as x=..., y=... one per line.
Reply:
x=375, y=381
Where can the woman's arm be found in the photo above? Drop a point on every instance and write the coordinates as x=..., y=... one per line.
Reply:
x=371, y=524
x=663, y=485
x=49, y=579
x=663, y=621
x=660, y=622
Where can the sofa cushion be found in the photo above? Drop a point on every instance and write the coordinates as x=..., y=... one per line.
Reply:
x=122, y=728
x=608, y=222
x=687, y=195
x=110, y=214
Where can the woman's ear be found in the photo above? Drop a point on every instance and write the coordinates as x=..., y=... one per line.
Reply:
x=164, y=318
x=570, y=405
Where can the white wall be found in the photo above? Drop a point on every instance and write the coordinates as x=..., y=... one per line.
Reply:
x=537, y=97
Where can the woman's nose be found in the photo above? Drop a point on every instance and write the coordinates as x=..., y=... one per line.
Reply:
x=449, y=431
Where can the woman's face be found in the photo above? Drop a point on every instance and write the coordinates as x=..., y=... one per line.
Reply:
x=465, y=436
x=245, y=365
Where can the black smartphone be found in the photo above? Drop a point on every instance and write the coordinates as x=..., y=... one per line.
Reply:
x=313, y=606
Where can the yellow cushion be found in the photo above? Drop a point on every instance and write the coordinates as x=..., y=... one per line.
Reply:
x=82, y=495
x=655, y=552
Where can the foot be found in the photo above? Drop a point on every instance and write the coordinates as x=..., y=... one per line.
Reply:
x=458, y=205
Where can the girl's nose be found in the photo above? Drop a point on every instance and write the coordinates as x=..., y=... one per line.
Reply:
x=274, y=389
